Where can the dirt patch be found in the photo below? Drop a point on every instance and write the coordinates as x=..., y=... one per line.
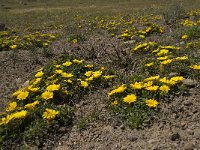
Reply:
x=177, y=127
x=18, y=66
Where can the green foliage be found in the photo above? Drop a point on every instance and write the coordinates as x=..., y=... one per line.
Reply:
x=193, y=32
x=82, y=123
x=44, y=104
x=9, y=40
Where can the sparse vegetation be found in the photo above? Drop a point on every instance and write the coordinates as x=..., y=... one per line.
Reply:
x=141, y=59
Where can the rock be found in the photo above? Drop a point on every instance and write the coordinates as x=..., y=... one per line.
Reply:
x=117, y=145
x=26, y=84
x=197, y=133
x=173, y=74
x=132, y=138
x=183, y=125
x=122, y=127
x=60, y=143
x=123, y=148
x=189, y=82
x=152, y=141
x=108, y=129
x=189, y=146
x=182, y=42
x=129, y=42
x=18, y=82
x=64, y=138
x=62, y=129
x=175, y=136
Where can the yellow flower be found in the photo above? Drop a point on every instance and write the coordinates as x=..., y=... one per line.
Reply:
x=19, y=115
x=37, y=80
x=67, y=75
x=152, y=88
x=148, y=29
x=107, y=77
x=155, y=51
x=22, y=95
x=115, y=103
x=142, y=36
x=102, y=69
x=131, y=98
x=34, y=89
x=120, y=89
x=164, y=88
x=13, y=46
x=136, y=85
x=6, y=120
x=45, y=44
x=11, y=106
x=51, y=77
x=47, y=95
x=84, y=84
x=152, y=78
x=17, y=93
x=176, y=79
x=58, y=71
x=50, y=114
x=124, y=35
x=89, y=79
x=140, y=46
x=151, y=103
x=74, y=41
x=88, y=73
x=16, y=115
x=165, y=62
x=77, y=61
x=67, y=64
x=162, y=52
x=39, y=74
x=53, y=87
x=164, y=80
x=149, y=64
x=170, y=47
x=184, y=37
x=89, y=66
x=181, y=58
x=57, y=66
x=96, y=74
x=162, y=58
x=195, y=67
x=149, y=83
x=68, y=81
x=31, y=105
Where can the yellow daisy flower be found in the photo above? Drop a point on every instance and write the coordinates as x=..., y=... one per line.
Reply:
x=151, y=103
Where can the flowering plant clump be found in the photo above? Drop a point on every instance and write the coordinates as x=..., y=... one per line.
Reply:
x=50, y=93
x=143, y=96
x=10, y=41
x=128, y=28
x=165, y=63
